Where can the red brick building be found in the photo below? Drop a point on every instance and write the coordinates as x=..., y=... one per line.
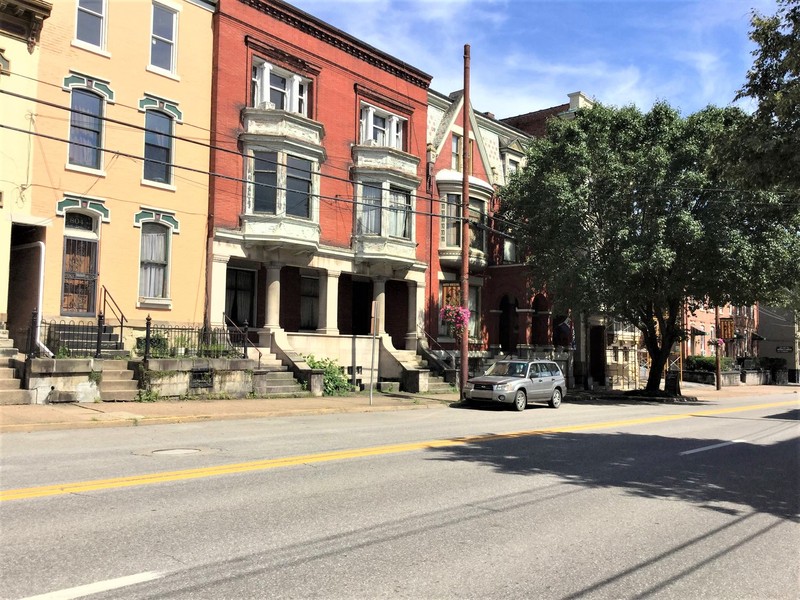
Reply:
x=318, y=209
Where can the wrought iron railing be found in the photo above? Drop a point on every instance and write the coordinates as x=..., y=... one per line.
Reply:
x=108, y=303
x=234, y=328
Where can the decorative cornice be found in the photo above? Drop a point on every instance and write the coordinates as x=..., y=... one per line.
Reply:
x=23, y=19
x=338, y=39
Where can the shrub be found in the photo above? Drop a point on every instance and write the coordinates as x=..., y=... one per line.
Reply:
x=159, y=346
x=707, y=363
x=334, y=381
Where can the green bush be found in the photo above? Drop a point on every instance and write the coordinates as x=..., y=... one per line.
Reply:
x=707, y=363
x=159, y=346
x=334, y=381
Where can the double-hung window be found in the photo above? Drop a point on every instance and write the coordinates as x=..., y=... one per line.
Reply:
x=90, y=25
x=381, y=128
x=265, y=177
x=282, y=184
x=154, y=261
x=158, y=147
x=86, y=129
x=298, y=187
x=371, y=193
x=451, y=220
x=399, y=213
x=163, y=37
x=477, y=225
x=385, y=210
x=279, y=89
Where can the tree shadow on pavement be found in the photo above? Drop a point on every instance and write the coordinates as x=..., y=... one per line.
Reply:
x=762, y=476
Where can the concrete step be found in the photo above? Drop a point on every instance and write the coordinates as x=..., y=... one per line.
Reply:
x=119, y=395
x=118, y=385
x=10, y=384
x=112, y=373
x=17, y=397
x=3, y=334
x=8, y=352
x=440, y=388
x=283, y=392
x=6, y=343
x=7, y=373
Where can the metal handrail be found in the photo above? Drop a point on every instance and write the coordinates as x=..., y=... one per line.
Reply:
x=108, y=300
x=441, y=348
x=230, y=324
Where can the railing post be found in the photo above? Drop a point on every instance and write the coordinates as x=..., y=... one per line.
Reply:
x=32, y=334
x=244, y=348
x=148, y=323
x=100, y=326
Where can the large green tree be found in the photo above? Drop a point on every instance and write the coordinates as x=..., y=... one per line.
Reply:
x=630, y=214
x=772, y=138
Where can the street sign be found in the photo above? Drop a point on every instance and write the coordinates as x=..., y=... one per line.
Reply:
x=783, y=349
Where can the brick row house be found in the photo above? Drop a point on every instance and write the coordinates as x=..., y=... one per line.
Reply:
x=108, y=208
x=319, y=209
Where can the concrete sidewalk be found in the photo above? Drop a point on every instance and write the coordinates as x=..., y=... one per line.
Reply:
x=37, y=417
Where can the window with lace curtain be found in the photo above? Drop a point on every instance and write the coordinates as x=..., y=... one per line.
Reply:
x=85, y=129
x=154, y=261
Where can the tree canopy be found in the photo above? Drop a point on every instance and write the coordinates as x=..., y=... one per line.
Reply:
x=773, y=136
x=633, y=214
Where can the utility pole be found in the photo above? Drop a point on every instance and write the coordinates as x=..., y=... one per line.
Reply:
x=717, y=346
x=465, y=163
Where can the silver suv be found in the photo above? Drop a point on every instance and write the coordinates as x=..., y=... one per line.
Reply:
x=518, y=382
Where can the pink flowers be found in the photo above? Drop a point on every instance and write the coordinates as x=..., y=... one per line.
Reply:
x=716, y=342
x=456, y=318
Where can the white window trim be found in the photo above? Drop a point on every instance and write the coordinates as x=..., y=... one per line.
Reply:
x=394, y=127
x=99, y=172
x=175, y=9
x=101, y=49
x=474, y=316
x=281, y=183
x=292, y=91
x=153, y=302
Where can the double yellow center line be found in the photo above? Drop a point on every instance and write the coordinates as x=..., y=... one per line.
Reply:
x=289, y=461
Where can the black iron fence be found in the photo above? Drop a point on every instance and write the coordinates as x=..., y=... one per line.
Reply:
x=96, y=339
x=164, y=341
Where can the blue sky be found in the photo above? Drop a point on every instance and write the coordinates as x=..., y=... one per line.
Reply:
x=529, y=54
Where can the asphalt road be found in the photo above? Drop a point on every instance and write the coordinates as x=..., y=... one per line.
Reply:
x=588, y=501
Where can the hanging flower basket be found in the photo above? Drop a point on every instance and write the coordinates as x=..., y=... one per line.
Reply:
x=456, y=318
x=716, y=342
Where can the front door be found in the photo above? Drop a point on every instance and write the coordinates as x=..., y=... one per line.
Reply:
x=80, y=277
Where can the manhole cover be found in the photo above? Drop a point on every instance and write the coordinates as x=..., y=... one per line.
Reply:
x=177, y=451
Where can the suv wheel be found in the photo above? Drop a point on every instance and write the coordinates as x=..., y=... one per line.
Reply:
x=520, y=400
x=555, y=401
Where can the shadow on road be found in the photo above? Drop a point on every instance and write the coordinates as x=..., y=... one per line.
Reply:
x=764, y=477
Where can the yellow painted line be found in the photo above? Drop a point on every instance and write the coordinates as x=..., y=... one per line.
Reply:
x=289, y=461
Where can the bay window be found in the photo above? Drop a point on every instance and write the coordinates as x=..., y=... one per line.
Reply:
x=384, y=210
x=275, y=88
x=281, y=184
x=381, y=128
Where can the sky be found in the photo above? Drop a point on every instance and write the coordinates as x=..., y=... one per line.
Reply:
x=529, y=54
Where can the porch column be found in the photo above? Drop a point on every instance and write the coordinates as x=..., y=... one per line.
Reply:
x=379, y=296
x=273, y=308
x=219, y=277
x=329, y=303
x=414, y=300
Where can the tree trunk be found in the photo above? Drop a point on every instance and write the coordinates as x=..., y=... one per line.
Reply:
x=657, y=362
